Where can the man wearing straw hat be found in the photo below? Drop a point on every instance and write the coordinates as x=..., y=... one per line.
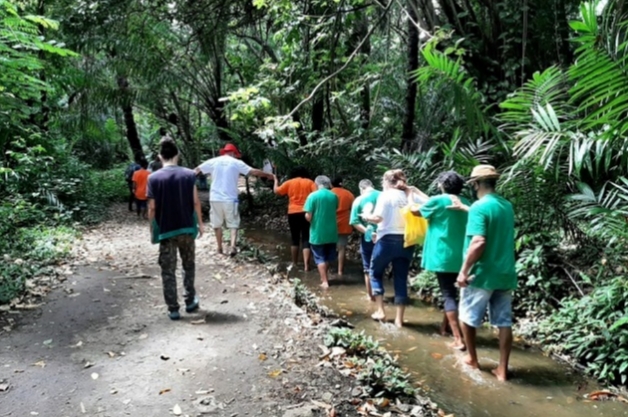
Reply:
x=225, y=171
x=488, y=275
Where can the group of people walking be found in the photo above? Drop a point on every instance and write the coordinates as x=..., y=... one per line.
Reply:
x=470, y=246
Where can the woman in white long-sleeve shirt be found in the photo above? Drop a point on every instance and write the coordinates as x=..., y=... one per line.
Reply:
x=389, y=247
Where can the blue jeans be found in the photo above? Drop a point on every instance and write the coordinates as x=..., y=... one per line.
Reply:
x=389, y=249
x=366, y=250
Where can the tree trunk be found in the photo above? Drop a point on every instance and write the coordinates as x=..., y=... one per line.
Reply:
x=365, y=95
x=129, y=120
x=407, y=134
x=318, y=113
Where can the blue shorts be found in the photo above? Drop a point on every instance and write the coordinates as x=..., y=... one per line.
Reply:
x=366, y=250
x=324, y=253
x=474, y=302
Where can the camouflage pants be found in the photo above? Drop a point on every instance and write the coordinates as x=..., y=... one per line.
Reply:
x=168, y=263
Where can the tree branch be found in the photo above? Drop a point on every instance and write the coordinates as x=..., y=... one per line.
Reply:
x=342, y=68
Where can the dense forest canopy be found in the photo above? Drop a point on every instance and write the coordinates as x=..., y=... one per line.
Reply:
x=538, y=88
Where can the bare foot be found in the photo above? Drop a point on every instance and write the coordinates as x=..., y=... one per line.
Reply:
x=399, y=324
x=500, y=375
x=379, y=316
x=370, y=297
x=325, y=285
x=472, y=363
x=307, y=268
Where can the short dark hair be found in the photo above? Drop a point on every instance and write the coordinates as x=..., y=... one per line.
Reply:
x=163, y=131
x=488, y=183
x=337, y=182
x=299, y=172
x=168, y=149
x=144, y=163
x=452, y=182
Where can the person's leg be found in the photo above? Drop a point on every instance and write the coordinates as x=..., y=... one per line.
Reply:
x=233, y=223
x=366, y=251
x=168, y=264
x=131, y=196
x=187, y=250
x=500, y=313
x=295, y=236
x=342, y=246
x=305, y=242
x=318, y=251
x=401, y=267
x=380, y=260
x=473, y=304
x=446, y=282
x=216, y=218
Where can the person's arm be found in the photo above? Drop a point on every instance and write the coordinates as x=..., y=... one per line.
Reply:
x=417, y=195
x=151, y=215
x=354, y=218
x=204, y=168
x=457, y=204
x=378, y=213
x=474, y=253
x=280, y=189
x=476, y=227
x=308, y=216
x=261, y=174
x=199, y=213
x=308, y=208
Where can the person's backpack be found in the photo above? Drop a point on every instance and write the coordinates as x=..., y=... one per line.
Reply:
x=128, y=174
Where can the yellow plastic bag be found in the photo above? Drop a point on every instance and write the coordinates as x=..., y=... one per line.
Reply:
x=416, y=228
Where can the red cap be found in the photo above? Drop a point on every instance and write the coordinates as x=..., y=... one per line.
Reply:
x=230, y=147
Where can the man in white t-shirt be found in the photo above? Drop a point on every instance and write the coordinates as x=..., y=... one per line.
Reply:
x=225, y=171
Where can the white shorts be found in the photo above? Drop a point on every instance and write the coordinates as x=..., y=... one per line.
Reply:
x=223, y=213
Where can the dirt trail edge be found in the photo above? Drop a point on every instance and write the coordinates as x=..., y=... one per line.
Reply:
x=102, y=344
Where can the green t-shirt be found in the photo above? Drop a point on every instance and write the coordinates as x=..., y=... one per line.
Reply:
x=493, y=217
x=322, y=205
x=363, y=204
x=444, y=241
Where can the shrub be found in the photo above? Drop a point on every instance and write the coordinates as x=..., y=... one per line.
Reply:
x=593, y=330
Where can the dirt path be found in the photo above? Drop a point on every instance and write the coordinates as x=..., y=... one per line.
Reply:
x=102, y=345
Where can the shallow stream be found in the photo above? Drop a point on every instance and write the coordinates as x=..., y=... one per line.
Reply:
x=539, y=386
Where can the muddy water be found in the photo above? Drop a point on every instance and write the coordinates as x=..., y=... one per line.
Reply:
x=539, y=386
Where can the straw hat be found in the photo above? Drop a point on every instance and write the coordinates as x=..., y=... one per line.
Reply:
x=483, y=172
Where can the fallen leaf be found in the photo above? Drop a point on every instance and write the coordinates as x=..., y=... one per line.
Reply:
x=275, y=373
x=95, y=376
x=126, y=402
x=412, y=348
x=176, y=410
x=111, y=354
x=143, y=336
x=113, y=391
x=88, y=365
x=163, y=391
x=322, y=405
x=47, y=342
x=78, y=344
x=41, y=364
x=4, y=386
x=83, y=409
x=262, y=357
x=436, y=355
x=201, y=321
x=164, y=357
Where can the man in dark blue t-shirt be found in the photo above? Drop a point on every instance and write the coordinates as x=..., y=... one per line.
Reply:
x=174, y=212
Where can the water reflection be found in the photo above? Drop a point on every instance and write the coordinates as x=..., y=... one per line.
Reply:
x=538, y=386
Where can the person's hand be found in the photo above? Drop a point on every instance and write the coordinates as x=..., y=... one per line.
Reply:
x=374, y=237
x=463, y=279
x=201, y=230
x=456, y=204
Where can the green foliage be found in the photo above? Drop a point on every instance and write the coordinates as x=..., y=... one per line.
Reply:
x=592, y=331
x=31, y=252
x=378, y=372
x=425, y=284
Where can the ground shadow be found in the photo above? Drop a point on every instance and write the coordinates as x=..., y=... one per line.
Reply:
x=217, y=317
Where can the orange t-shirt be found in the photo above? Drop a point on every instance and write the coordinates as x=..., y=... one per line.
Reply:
x=140, y=178
x=297, y=190
x=345, y=201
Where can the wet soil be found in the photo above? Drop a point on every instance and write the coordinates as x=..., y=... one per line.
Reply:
x=102, y=344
